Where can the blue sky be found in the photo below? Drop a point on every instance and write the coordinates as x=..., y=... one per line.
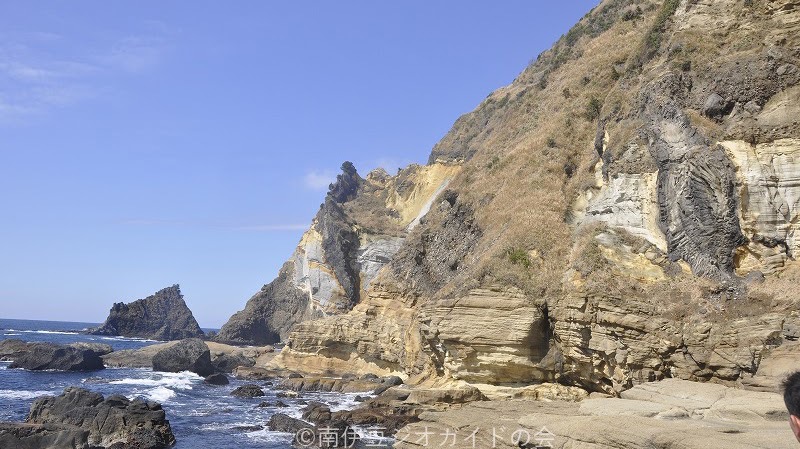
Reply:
x=144, y=144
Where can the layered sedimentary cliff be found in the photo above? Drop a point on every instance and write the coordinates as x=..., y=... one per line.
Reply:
x=358, y=229
x=161, y=316
x=623, y=212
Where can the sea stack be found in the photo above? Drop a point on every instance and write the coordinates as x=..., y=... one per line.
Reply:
x=162, y=316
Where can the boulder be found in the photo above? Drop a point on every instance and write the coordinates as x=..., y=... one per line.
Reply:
x=387, y=383
x=108, y=421
x=50, y=356
x=316, y=412
x=226, y=363
x=217, y=379
x=248, y=391
x=162, y=316
x=188, y=355
x=716, y=106
x=281, y=422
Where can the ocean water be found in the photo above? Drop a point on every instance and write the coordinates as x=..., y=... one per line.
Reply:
x=202, y=416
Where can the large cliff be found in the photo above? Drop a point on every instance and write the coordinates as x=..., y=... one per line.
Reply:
x=624, y=211
x=358, y=229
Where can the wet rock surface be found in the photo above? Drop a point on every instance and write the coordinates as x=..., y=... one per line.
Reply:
x=248, y=391
x=81, y=419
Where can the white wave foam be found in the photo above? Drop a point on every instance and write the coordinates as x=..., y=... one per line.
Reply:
x=160, y=394
x=268, y=436
x=10, y=335
x=22, y=394
x=220, y=426
x=145, y=340
x=46, y=332
x=341, y=401
x=178, y=381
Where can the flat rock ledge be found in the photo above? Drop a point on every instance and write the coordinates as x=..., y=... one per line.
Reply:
x=671, y=413
x=51, y=356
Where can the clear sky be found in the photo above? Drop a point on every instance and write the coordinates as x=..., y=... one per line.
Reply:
x=149, y=143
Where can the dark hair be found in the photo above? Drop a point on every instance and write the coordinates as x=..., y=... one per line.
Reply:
x=791, y=393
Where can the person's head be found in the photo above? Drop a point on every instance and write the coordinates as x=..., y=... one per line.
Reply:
x=791, y=396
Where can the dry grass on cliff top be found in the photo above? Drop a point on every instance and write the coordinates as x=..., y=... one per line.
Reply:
x=536, y=152
x=533, y=144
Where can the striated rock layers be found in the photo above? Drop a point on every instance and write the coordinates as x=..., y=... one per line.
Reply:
x=358, y=229
x=623, y=212
x=162, y=316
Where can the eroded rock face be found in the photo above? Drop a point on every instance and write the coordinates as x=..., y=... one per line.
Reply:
x=768, y=183
x=610, y=343
x=490, y=336
x=636, y=241
x=162, y=316
x=38, y=436
x=110, y=420
x=357, y=231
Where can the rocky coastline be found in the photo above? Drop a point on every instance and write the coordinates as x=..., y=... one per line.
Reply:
x=603, y=254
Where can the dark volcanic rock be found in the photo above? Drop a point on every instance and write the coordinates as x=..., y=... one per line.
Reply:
x=188, y=355
x=116, y=419
x=697, y=193
x=50, y=356
x=281, y=422
x=217, y=379
x=162, y=316
x=39, y=436
x=431, y=257
x=226, y=363
x=11, y=348
x=716, y=106
x=248, y=391
x=263, y=321
x=100, y=349
x=316, y=412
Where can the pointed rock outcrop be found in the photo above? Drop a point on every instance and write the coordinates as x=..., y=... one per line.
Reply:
x=162, y=316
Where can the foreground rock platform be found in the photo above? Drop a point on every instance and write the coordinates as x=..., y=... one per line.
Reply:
x=667, y=414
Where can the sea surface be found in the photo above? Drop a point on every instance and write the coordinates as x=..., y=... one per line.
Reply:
x=202, y=416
